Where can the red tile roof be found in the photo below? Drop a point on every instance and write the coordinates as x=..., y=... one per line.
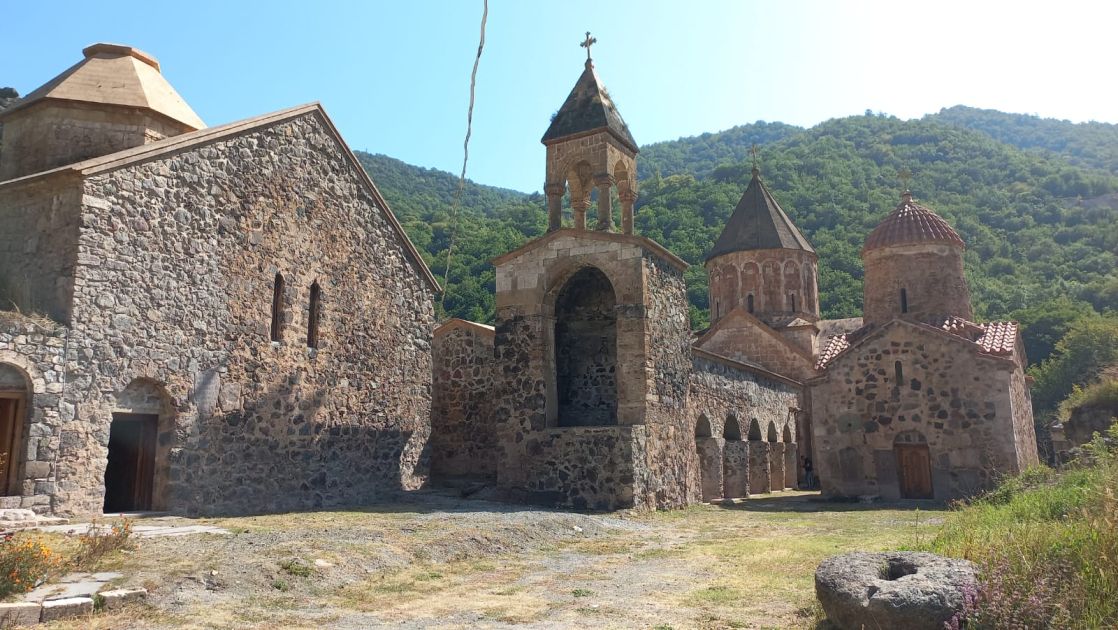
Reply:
x=911, y=223
x=995, y=338
x=835, y=346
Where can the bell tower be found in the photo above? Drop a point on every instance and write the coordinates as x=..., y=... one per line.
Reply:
x=589, y=147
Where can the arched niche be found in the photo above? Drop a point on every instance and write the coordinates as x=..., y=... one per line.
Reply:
x=586, y=350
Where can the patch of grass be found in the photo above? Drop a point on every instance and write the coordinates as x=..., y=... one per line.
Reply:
x=718, y=595
x=281, y=585
x=1046, y=544
x=582, y=592
x=296, y=567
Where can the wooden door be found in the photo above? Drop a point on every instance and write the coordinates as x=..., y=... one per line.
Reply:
x=914, y=470
x=11, y=416
x=130, y=473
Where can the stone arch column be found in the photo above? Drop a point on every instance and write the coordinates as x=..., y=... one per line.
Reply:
x=735, y=461
x=791, y=453
x=776, y=459
x=760, y=480
x=710, y=449
x=554, y=193
x=604, y=183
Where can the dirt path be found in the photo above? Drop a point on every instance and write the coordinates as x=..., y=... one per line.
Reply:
x=433, y=560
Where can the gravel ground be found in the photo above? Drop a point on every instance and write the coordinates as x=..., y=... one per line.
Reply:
x=432, y=560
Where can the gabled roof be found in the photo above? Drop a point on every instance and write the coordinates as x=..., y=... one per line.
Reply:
x=998, y=339
x=455, y=323
x=588, y=108
x=758, y=222
x=911, y=223
x=188, y=141
x=112, y=74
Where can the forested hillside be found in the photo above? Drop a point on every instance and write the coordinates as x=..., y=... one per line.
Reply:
x=1091, y=144
x=1040, y=230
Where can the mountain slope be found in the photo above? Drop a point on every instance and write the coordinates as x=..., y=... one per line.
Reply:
x=1039, y=230
x=1091, y=144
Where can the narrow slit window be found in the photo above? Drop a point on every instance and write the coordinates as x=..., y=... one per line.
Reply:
x=792, y=301
x=312, y=316
x=277, y=308
x=898, y=373
x=904, y=301
x=749, y=302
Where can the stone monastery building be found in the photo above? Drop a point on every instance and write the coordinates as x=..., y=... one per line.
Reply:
x=230, y=319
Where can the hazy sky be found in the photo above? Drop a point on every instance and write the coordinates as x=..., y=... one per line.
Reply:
x=394, y=75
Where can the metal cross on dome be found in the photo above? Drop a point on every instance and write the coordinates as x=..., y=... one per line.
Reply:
x=587, y=43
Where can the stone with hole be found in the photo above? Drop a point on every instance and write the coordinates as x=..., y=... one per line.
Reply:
x=910, y=590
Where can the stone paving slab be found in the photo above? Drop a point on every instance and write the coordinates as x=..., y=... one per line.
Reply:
x=65, y=608
x=72, y=585
x=19, y=614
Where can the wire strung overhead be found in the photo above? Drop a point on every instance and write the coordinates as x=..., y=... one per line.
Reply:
x=465, y=158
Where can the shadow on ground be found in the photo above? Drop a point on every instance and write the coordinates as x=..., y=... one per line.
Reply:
x=813, y=502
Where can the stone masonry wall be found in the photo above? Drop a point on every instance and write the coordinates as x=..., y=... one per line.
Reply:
x=528, y=284
x=719, y=390
x=672, y=461
x=32, y=358
x=174, y=286
x=49, y=134
x=463, y=435
x=931, y=275
x=744, y=338
x=39, y=246
x=961, y=402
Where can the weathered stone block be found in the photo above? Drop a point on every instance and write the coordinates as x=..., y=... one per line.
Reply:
x=19, y=614
x=117, y=598
x=70, y=607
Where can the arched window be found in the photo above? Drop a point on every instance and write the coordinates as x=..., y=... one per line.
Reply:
x=898, y=373
x=732, y=430
x=749, y=302
x=277, y=308
x=792, y=302
x=702, y=428
x=904, y=301
x=754, y=431
x=312, y=316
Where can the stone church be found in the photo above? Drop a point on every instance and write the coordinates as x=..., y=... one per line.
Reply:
x=200, y=319
x=230, y=319
x=591, y=391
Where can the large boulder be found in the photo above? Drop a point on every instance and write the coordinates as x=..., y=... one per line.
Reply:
x=893, y=590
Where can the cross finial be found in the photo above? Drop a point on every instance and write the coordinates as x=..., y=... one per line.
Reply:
x=905, y=176
x=753, y=152
x=587, y=43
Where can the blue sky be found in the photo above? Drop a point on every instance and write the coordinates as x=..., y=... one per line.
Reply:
x=394, y=75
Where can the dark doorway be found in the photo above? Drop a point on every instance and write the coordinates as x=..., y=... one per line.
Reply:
x=914, y=470
x=586, y=351
x=11, y=429
x=130, y=473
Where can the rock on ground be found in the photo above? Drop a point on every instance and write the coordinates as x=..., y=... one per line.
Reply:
x=909, y=590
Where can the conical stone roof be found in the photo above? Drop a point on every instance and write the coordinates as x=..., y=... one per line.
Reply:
x=112, y=74
x=589, y=108
x=911, y=223
x=758, y=222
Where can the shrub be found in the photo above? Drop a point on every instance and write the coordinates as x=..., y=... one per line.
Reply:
x=100, y=540
x=25, y=562
x=1046, y=545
